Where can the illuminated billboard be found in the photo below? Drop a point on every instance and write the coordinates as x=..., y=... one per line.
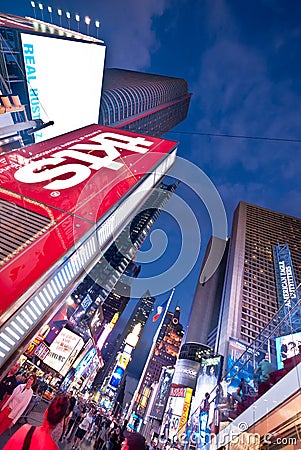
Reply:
x=240, y=359
x=63, y=351
x=162, y=393
x=64, y=79
x=116, y=377
x=286, y=288
x=287, y=347
x=173, y=412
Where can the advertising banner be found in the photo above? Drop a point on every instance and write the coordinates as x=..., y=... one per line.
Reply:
x=159, y=404
x=185, y=411
x=173, y=413
x=65, y=345
x=287, y=347
x=64, y=79
x=240, y=359
x=186, y=372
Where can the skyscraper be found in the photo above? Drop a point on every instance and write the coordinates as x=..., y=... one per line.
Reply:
x=208, y=293
x=142, y=102
x=249, y=296
x=164, y=355
x=140, y=315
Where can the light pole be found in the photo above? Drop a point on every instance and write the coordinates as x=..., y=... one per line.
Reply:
x=87, y=22
x=97, y=24
x=50, y=13
x=77, y=18
x=59, y=11
x=41, y=7
x=34, y=9
x=68, y=15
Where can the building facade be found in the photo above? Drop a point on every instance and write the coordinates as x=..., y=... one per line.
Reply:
x=142, y=102
x=139, y=315
x=249, y=295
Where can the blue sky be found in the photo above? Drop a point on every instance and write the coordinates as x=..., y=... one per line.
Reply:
x=242, y=64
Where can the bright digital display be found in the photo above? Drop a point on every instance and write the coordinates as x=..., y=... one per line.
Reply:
x=287, y=347
x=64, y=79
x=162, y=394
x=65, y=345
x=116, y=377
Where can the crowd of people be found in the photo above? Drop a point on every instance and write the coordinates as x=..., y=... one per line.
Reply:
x=68, y=418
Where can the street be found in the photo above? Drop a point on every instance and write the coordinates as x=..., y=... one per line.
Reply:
x=36, y=418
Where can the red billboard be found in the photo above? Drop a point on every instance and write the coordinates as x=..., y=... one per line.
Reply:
x=53, y=194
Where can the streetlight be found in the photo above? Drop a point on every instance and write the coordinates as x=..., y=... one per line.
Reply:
x=77, y=18
x=34, y=9
x=60, y=12
x=97, y=24
x=42, y=10
x=50, y=13
x=68, y=15
x=87, y=22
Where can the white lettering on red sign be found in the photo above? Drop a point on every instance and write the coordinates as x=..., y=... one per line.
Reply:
x=38, y=171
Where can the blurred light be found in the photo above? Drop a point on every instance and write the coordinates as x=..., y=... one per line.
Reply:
x=41, y=6
x=34, y=8
x=68, y=15
x=77, y=18
x=59, y=11
x=97, y=23
x=50, y=13
x=87, y=22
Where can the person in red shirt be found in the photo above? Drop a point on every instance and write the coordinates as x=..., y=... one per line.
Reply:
x=41, y=438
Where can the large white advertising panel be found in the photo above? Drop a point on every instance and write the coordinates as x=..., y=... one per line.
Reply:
x=64, y=81
x=63, y=351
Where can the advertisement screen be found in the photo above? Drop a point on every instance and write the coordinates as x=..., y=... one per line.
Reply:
x=208, y=378
x=287, y=347
x=186, y=372
x=240, y=359
x=96, y=322
x=65, y=346
x=64, y=80
x=116, y=377
x=173, y=412
x=162, y=394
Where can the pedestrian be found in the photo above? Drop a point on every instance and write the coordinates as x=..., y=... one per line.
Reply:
x=8, y=384
x=241, y=394
x=35, y=400
x=72, y=401
x=133, y=441
x=40, y=437
x=115, y=439
x=74, y=416
x=264, y=369
x=82, y=429
x=16, y=404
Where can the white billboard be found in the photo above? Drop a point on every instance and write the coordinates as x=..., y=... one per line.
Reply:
x=64, y=82
x=63, y=351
